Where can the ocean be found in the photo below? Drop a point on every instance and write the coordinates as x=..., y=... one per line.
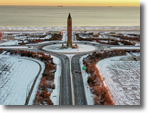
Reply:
x=46, y=16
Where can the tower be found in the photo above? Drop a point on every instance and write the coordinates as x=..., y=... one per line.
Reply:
x=69, y=32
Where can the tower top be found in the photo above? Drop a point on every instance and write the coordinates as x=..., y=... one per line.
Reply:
x=69, y=16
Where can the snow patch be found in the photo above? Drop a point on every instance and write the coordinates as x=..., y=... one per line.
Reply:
x=11, y=42
x=56, y=92
x=58, y=48
x=88, y=93
x=122, y=79
x=17, y=78
x=14, y=47
x=128, y=47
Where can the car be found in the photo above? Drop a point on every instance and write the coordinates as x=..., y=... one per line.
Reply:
x=76, y=71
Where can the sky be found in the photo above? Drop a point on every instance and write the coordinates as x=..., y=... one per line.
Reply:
x=71, y=2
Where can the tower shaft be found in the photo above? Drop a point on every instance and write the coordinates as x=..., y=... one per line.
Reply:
x=69, y=31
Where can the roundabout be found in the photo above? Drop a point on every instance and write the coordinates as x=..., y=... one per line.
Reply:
x=58, y=48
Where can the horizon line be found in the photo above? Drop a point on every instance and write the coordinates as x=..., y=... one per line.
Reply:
x=68, y=6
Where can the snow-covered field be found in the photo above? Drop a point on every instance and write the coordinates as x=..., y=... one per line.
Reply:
x=64, y=37
x=128, y=47
x=74, y=28
x=58, y=48
x=88, y=93
x=10, y=42
x=16, y=77
x=122, y=78
x=14, y=47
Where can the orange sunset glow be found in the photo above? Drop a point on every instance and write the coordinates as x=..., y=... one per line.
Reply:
x=71, y=2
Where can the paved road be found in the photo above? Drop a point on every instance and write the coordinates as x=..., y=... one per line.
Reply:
x=79, y=92
x=66, y=94
x=65, y=82
x=65, y=87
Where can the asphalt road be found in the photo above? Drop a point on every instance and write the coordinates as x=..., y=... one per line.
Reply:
x=79, y=92
x=65, y=80
x=65, y=85
x=66, y=93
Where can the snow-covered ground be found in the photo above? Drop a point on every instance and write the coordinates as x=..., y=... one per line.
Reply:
x=14, y=47
x=122, y=78
x=45, y=42
x=88, y=93
x=47, y=37
x=56, y=92
x=58, y=48
x=137, y=44
x=93, y=42
x=17, y=75
x=11, y=42
x=128, y=47
x=74, y=28
x=64, y=37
